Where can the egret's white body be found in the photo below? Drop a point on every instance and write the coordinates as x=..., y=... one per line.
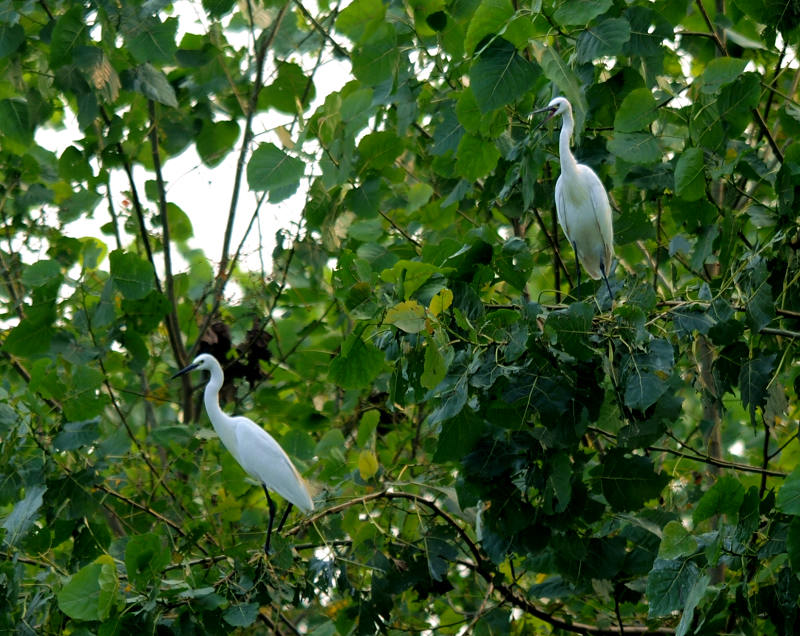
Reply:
x=584, y=212
x=256, y=450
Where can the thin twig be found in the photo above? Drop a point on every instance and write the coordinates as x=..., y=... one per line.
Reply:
x=173, y=329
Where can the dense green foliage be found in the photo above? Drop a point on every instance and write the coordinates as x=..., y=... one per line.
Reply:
x=493, y=448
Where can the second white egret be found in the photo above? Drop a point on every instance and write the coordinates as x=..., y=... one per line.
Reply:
x=584, y=212
x=256, y=450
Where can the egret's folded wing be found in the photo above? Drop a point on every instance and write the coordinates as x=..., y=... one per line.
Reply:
x=602, y=215
x=263, y=458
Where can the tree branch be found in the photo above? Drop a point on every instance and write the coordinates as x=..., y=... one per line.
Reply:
x=482, y=565
x=173, y=328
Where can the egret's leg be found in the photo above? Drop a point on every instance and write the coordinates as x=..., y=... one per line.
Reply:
x=285, y=514
x=605, y=278
x=577, y=264
x=271, y=506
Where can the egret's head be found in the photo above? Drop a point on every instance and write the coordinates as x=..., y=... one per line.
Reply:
x=204, y=361
x=557, y=106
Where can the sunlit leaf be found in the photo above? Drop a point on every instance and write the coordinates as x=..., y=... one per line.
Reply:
x=490, y=17
x=721, y=71
x=367, y=464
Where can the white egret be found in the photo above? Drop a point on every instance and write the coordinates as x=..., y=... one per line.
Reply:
x=584, y=212
x=256, y=450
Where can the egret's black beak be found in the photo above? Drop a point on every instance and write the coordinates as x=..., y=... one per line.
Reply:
x=550, y=110
x=194, y=365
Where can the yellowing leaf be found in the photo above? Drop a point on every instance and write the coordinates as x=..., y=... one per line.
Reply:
x=408, y=316
x=441, y=301
x=367, y=464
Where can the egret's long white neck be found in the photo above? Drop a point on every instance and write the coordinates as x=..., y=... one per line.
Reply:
x=568, y=163
x=211, y=397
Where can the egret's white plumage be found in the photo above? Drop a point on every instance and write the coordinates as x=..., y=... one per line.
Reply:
x=256, y=450
x=584, y=212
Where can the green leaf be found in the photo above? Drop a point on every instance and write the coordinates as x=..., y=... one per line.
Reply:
x=180, y=227
x=690, y=183
x=452, y=402
x=80, y=202
x=132, y=276
x=637, y=111
x=754, y=378
x=475, y=158
x=357, y=364
x=379, y=150
x=215, y=141
x=145, y=558
x=15, y=121
x=645, y=374
x=11, y=38
x=693, y=599
x=603, y=39
x=719, y=72
x=42, y=273
x=490, y=18
x=580, y=12
x=435, y=366
x=33, y=335
x=500, y=75
x=272, y=170
x=83, y=400
x=788, y=499
x=676, y=541
x=558, y=72
x=639, y=148
x=409, y=276
x=360, y=18
x=559, y=481
x=292, y=90
x=90, y=593
x=375, y=60
x=70, y=31
x=20, y=520
x=723, y=498
x=218, y=8
x=408, y=315
x=77, y=434
x=458, y=437
x=760, y=306
x=571, y=329
x=153, y=84
x=150, y=40
x=628, y=481
x=669, y=584
x=366, y=427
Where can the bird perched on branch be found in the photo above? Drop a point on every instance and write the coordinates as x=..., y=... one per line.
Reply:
x=584, y=212
x=256, y=450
